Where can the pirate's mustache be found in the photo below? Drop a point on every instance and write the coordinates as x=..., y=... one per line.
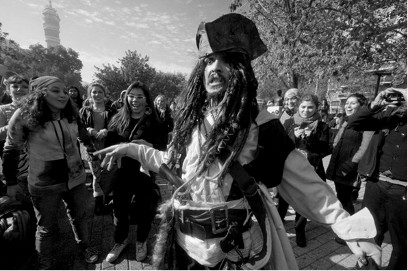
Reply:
x=216, y=77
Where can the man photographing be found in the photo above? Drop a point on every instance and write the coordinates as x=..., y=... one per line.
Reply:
x=228, y=154
x=384, y=166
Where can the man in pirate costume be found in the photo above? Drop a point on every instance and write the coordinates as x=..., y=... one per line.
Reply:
x=228, y=154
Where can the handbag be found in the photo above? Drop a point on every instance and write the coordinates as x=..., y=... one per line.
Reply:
x=107, y=178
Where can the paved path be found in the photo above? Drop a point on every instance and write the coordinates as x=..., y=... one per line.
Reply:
x=321, y=253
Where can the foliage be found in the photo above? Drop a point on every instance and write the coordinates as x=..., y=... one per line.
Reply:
x=133, y=66
x=38, y=60
x=318, y=40
x=168, y=84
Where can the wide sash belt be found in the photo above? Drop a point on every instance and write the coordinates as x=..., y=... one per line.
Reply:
x=212, y=223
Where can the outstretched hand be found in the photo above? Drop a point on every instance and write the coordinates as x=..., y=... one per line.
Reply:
x=113, y=155
x=365, y=249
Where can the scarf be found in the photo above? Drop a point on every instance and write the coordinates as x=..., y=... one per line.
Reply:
x=290, y=112
x=310, y=122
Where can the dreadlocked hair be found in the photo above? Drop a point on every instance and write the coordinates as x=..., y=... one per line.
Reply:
x=35, y=109
x=237, y=106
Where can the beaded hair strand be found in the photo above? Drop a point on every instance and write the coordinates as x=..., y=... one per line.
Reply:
x=236, y=105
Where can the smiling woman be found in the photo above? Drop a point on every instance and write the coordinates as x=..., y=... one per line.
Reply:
x=135, y=194
x=48, y=122
x=311, y=137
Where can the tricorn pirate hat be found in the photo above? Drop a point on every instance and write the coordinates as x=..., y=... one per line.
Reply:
x=232, y=32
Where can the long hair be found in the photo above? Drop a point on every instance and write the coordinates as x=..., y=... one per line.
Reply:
x=89, y=90
x=120, y=121
x=78, y=100
x=238, y=107
x=35, y=109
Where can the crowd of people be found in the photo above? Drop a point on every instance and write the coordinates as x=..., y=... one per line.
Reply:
x=223, y=154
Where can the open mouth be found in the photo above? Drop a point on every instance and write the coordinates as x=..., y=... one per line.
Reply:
x=216, y=79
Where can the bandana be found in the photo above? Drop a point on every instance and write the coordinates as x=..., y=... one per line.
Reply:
x=43, y=82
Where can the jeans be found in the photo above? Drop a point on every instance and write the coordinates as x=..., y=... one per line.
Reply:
x=388, y=205
x=137, y=187
x=46, y=207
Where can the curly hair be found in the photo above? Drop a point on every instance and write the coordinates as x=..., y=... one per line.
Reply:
x=238, y=107
x=120, y=121
x=35, y=109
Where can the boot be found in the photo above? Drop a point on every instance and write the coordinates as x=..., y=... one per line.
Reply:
x=301, y=237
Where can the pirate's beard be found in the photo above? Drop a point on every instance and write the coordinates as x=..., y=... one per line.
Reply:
x=214, y=98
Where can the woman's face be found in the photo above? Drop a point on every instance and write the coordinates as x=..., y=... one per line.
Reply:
x=307, y=109
x=351, y=106
x=97, y=94
x=161, y=103
x=56, y=96
x=18, y=90
x=137, y=101
x=73, y=93
x=291, y=102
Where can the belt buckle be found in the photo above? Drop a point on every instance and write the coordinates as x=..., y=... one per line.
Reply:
x=214, y=227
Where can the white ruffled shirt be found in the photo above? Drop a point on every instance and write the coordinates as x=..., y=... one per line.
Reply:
x=301, y=187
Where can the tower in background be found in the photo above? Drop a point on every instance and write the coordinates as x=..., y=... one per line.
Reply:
x=51, y=26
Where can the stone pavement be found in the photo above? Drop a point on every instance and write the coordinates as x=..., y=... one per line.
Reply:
x=321, y=253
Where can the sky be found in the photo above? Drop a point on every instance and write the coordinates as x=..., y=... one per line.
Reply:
x=101, y=31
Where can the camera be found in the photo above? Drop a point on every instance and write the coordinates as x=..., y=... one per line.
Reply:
x=394, y=97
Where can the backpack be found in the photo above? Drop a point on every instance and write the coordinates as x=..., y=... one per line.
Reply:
x=16, y=231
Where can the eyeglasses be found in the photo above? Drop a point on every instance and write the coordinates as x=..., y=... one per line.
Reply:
x=137, y=98
x=291, y=99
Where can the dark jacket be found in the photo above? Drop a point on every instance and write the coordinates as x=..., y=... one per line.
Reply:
x=389, y=144
x=343, y=152
x=87, y=118
x=316, y=145
x=148, y=128
x=166, y=119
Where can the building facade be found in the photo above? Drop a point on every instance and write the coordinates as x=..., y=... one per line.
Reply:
x=51, y=26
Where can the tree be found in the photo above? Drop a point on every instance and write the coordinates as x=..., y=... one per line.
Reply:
x=168, y=84
x=133, y=66
x=112, y=77
x=56, y=61
x=38, y=61
x=315, y=40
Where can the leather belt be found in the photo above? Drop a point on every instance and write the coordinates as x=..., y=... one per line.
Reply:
x=213, y=223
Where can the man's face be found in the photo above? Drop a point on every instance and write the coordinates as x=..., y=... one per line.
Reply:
x=18, y=90
x=216, y=74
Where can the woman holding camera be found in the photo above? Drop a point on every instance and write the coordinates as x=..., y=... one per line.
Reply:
x=349, y=146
